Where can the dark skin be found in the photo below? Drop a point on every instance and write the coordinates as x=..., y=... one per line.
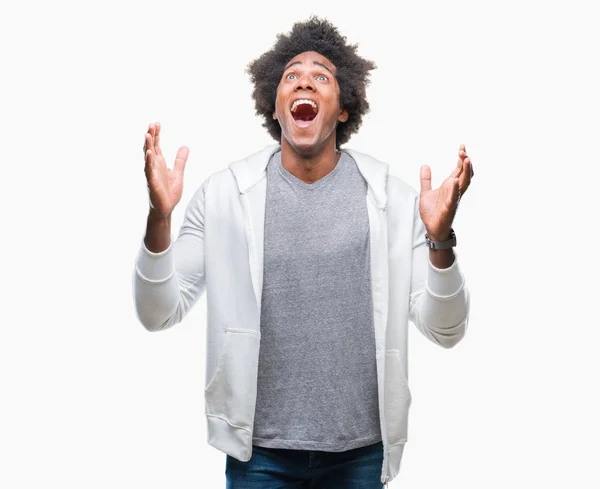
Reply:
x=308, y=151
x=438, y=207
x=164, y=186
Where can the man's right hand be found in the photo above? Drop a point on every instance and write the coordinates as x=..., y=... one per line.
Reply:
x=165, y=185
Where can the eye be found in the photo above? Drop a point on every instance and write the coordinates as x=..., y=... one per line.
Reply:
x=289, y=77
x=322, y=78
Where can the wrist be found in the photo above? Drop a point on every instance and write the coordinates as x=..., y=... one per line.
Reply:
x=158, y=218
x=435, y=243
x=441, y=259
x=439, y=237
x=158, y=233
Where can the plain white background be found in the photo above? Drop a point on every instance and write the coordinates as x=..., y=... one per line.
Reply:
x=90, y=399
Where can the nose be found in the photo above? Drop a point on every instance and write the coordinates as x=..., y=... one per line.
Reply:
x=304, y=83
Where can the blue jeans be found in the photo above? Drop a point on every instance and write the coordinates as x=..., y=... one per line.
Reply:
x=278, y=468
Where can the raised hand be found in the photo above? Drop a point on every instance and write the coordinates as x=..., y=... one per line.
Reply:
x=438, y=207
x=165, y=185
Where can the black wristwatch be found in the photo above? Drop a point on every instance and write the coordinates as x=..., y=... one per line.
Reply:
x=442, y=245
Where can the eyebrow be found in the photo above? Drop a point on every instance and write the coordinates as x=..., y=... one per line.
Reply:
x=314, y=62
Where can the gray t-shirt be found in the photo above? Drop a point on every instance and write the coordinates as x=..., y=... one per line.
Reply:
x=317, y=378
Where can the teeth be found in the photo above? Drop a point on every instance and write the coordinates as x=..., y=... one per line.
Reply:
x=304, y=101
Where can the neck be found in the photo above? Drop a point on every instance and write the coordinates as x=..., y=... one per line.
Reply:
x=311, y=165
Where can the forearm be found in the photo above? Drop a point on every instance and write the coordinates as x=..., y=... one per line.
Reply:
x=156, y=292
x=158, y=233
x=155, y=288
x=441, y=258
x=442, y=308
x=439, y=299
x=169, y=276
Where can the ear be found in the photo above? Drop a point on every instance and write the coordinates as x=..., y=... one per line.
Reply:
x=343, y=117
x=274, y=115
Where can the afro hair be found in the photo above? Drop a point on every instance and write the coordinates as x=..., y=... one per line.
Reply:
x=319, y=35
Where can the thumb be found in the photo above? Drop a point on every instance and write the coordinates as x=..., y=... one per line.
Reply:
x=425, y=178
x=181, y=159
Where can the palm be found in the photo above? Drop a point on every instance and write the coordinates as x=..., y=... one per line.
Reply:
x=438, y=207
x=165, y=185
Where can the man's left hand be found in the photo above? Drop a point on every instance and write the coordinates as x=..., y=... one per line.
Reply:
x=438, y=207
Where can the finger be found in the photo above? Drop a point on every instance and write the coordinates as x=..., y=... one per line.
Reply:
x=147, y=143
x=157, y=140
x=151, y=132
x=425, y=178
x=454, y=194
x=149, y=163
x=181, y=159
x=465, y=178
x=462, y=154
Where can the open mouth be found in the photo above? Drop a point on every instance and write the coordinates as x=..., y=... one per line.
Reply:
x=304, y=110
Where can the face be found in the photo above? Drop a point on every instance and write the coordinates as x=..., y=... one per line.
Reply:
x=308, y=103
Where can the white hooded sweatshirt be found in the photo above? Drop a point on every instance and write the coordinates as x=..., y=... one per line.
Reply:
x=220, y=249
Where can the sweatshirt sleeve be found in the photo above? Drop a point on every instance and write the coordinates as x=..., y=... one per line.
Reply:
x=167, y=284
x=439, y=298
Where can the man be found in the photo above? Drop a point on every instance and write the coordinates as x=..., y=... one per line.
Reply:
x=314, y=260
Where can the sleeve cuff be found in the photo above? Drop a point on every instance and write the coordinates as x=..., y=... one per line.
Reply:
x=155, y=267
x=445, y=283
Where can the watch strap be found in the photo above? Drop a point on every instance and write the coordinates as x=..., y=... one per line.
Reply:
x=442, y=245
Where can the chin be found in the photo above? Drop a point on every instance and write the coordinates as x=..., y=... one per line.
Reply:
x=304, y=147
x=305, y=144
